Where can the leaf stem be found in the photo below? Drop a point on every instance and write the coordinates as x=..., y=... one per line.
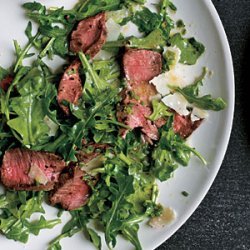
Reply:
x=25, y=51
x=48, y=46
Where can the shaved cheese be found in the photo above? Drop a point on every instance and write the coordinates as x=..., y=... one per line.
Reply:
x=53, y=127
x=198, y=114
x=113, y=30
x=118, y=15
x=104, y=55
x=160, y=83
x=174, y=79
x=38, y=175
x=130, y=29
x=93, y=164
x=177, y=102
x=186, y=74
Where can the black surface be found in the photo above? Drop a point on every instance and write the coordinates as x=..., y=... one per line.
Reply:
x=222, y=221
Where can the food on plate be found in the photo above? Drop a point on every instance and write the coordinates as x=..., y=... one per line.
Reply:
x=141, y=65
x=71, y=192
x=90, y=35
x=70, y=87
x=24, y=169
x=94, y=137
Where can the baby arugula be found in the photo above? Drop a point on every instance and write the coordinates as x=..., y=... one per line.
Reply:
x=17, y=208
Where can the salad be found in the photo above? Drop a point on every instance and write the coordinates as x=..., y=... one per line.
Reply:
x=93, y=138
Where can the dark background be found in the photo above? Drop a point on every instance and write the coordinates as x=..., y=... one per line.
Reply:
x=222, y=221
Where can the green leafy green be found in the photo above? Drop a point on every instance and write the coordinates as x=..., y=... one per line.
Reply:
x=113, y=218
x=164, y=164
x=91, y=7
x=170, y=151
x=191, y=50
x=3, y=73
x=206, y=102
x=99, y=83
x=159, y=110
x=146, y=20
x=23, y=53
x=155, y=40
x=16, y=209
x=29, y=108
x=54, y=27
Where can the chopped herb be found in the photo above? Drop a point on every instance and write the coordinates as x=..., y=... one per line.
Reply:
x=185, y=194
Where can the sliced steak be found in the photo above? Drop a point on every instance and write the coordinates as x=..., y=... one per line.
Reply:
x=184, y=126
x=6, y=82
x=23, y=169
x=70, y=87
x=135, y=116
x=141, y=65
x=160, y=122
x=90, y=35
x=71, y=192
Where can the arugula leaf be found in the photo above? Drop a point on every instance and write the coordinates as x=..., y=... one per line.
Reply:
x=112, y=219
x=60, y=46
x=55, y=25
x=36, y=226
x=164, y=164
x=146, y=20
x=35, y=6
x=167, y=4
x=23, y=53
x=91, y=7
x=170, y=151
x=155, y=40
x=76, y=224
x=206, y=102
x=3, y=73
x=30, y=110
x=109, y=70
x=178, y=147
x=131, y=233
x=191, y=50
x=194, y=88
x=99, y=83
x=16, y=208
x=95, y=238
x=159, y=110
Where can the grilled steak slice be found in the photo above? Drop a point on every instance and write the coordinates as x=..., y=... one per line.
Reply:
x=135, y=116
x=70, y=87
x=90, y=35
x=184, y=126
x=5, y=83
x=23, y=169
x=71, y=192
x=141, y=65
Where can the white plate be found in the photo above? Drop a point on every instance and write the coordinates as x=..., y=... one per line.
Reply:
x=211, y=139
